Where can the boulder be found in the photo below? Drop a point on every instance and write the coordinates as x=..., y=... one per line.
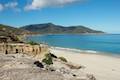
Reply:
x=39, y=64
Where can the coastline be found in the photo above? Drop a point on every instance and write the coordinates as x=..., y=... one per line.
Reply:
x=87, y=51
x=104, y=43
x=104, y=67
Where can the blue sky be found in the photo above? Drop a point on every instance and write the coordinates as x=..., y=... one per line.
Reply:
x=97, y=14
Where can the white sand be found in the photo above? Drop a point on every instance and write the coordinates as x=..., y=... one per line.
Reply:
x=103, y=67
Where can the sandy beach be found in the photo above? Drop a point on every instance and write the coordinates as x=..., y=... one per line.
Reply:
x=103, y=67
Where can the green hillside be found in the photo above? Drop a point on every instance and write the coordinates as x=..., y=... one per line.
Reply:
x=49, y=28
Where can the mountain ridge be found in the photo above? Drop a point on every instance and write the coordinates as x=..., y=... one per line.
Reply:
x=50, y=28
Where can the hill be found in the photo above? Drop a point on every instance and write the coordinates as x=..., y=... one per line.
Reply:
x=49, y=28
x=7, y=30
x=10, y=34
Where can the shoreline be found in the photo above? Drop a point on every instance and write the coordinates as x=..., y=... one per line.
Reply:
x=105, y=50
x=97, y=64
x=87, y=51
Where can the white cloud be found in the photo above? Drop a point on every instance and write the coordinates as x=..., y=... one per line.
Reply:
x=1, y=7
x=11, y=5
x=38, y=4
x=35, y=4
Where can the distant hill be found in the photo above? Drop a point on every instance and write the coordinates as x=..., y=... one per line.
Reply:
x=10, y=34
x=6, y=30
x=49, y=28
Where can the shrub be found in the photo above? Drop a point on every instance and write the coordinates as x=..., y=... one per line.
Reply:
x=33, y=43
x=48, y=59
x=63, y=59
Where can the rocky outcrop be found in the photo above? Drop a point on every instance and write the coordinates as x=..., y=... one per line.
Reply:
x=32, y=50
x=25, y=62
x=23, y=67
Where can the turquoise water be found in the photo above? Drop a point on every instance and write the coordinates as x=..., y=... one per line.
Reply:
x=103, y=43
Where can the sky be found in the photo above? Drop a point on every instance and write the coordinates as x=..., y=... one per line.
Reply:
x=96, y=14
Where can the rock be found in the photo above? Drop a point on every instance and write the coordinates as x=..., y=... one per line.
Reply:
x=74, y=75
x=51, y=69
x=29, y=74
x=32, y=50
x=64, y=71
x=91, y=77
x=52, y=55
x=22, y=68
x=73, y=66
x=39, y=64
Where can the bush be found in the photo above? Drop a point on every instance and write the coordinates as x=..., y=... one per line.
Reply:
x=48, y=59
x=63, y=59
x=33, y=43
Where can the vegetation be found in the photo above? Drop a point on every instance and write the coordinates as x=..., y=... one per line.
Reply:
x=7, y=30
x=63, y=59
x=14, y=38
x=48, y=59
x=49, y=28
x=32, y=43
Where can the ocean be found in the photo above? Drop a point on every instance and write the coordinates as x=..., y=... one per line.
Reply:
x=107, y=43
